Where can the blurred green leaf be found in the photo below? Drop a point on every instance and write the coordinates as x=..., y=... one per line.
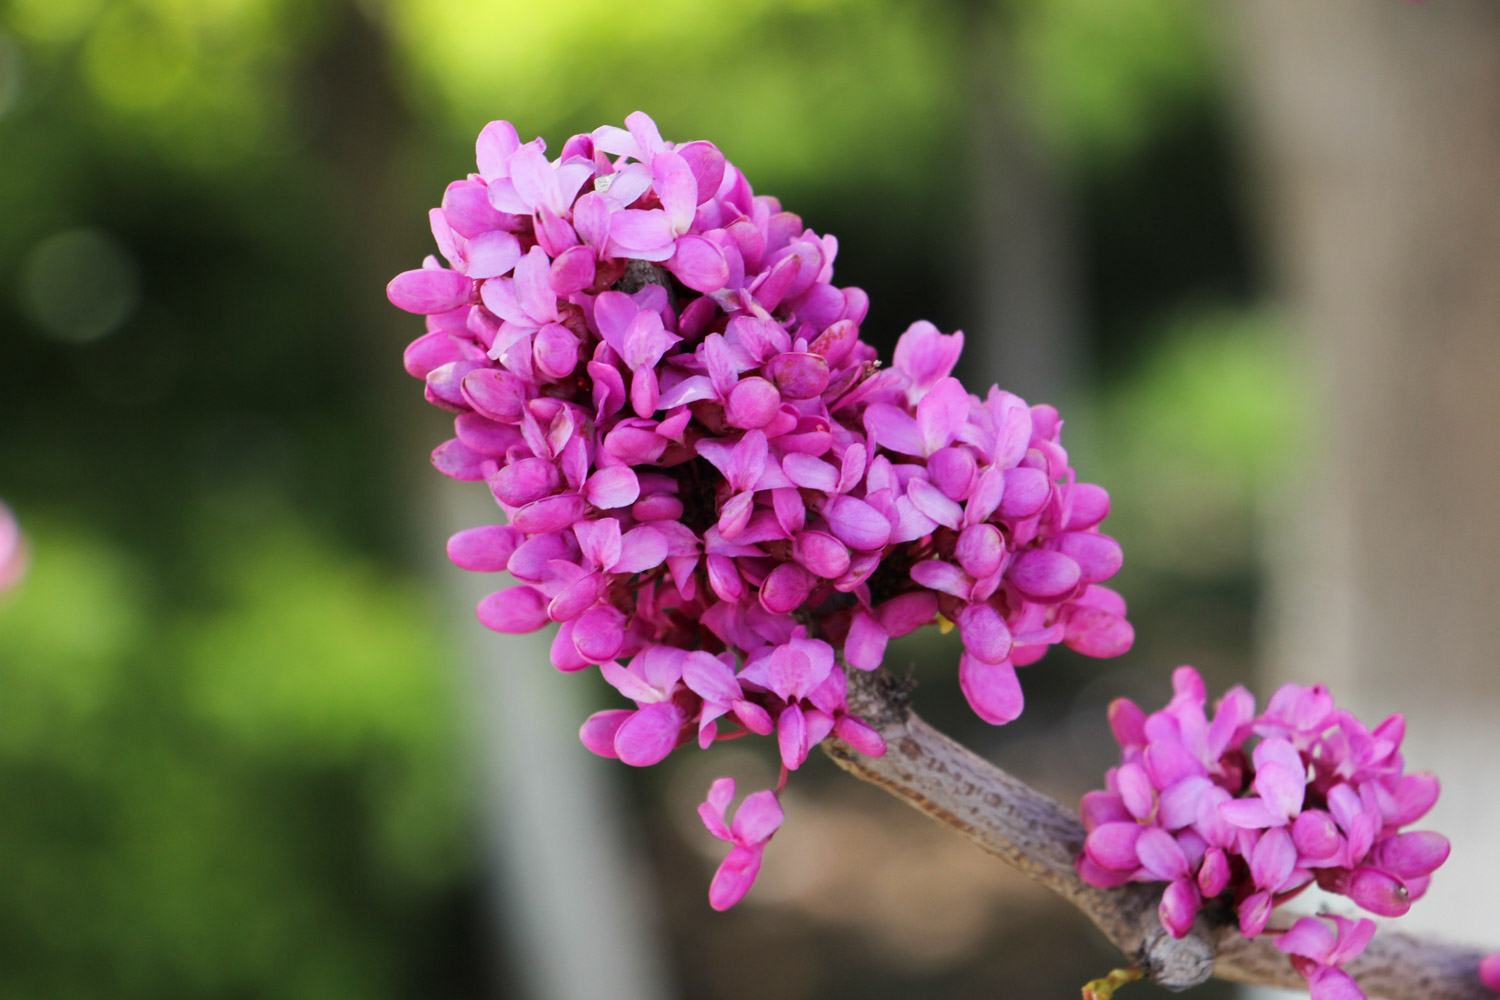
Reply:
x=256, y=798
x=1193, y=440
x=1104, y=77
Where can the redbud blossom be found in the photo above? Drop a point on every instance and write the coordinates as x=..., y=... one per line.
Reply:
x=710, y=482
x=1320, y=798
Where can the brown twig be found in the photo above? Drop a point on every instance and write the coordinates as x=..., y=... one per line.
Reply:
x=1034, y=834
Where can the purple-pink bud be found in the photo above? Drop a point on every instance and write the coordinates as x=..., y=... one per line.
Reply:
x=1098, y=633
x=1379, y=892
x=528, y=479
x=1026, y=490
x=598, y=732
x=1043, y=575
x=1316, y=835
x=1088, y=505
x=984, y=633
x=516, y=610
x=954, y=471
x=821, y=554
x=992, y=689
x=1179, y=905
x=981, y=550
x=1112, y=846
x=1213, y=875
x=1411, y=855
x=485, y=549
x=499, y=395
x=799, y=375
x=857, y=524
x=1098, y=556
x=1253, y=912
x=555, y=351
x=785, y=588
x=752, y=403
x=550, y=514
x=429, y=291
x=436, y=349
x=458, y=461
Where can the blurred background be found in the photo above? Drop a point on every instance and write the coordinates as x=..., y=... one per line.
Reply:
x=254, y=744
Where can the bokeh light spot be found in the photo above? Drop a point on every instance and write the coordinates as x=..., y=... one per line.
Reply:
x=80, y=285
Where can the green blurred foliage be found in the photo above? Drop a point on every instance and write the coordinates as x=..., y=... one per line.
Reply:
x=244, y=800
x=872, y=93
x=200, y=83
x=1104, y=78
x=784, y=87
x=1193, y=441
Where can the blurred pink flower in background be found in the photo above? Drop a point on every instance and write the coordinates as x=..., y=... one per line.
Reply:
x=13, y=555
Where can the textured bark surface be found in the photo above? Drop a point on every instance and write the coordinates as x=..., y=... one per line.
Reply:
x=1039, y=837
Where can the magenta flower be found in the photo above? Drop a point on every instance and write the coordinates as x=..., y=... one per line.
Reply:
x=652, y=731
x=756, y=820
x=1318, y=951
x=711, y=487
x=714, y=681
x=1320, y=799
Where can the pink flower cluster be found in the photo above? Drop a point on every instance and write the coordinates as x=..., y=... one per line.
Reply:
x=1320, y=798
x=712, y=485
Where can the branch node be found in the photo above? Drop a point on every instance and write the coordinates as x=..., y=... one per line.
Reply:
x=1177, y=963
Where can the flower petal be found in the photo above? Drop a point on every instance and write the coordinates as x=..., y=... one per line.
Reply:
x=993, y=690
x=429, y=290
x=598, y=731
x=515, y=610
x=758, y=817
x=734, y=878
x=649, y=735
x=485, y=549
x=1112, y=846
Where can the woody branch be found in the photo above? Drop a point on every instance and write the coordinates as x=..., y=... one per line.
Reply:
x=1037, y=836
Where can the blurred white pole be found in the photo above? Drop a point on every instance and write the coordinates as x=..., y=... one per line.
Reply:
x=1377, y=129
x=572, y=895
